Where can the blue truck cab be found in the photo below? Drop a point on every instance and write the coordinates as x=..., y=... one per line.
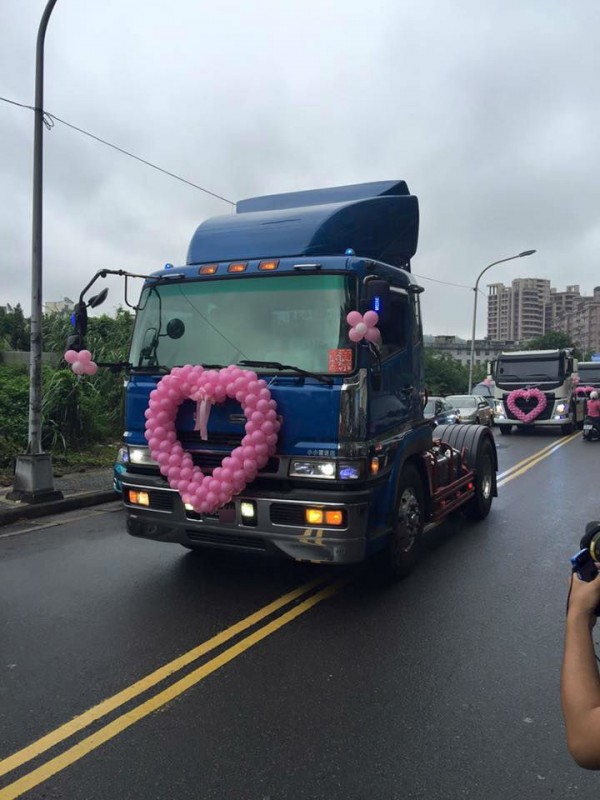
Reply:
x=356, y=469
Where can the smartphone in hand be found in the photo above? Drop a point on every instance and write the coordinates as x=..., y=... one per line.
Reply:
x=583, y=564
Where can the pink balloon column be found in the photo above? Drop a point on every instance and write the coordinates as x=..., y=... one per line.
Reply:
x=207, y=493
x=364, y=326
x=81, y=362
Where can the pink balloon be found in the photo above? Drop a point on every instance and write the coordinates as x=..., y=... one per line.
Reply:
x=209, y=492
x=354, y=336
x=91, y=368
x=71, y=356
x=371, y=318
x=78, y=367
x=373, y=335
x=353, y=318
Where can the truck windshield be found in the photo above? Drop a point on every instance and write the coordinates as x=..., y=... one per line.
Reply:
x=297, y=320
x=587, y=374
x=528, y=371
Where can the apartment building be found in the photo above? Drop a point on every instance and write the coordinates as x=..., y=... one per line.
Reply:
x=530, y=307
x=518, y=312
x=582, y=323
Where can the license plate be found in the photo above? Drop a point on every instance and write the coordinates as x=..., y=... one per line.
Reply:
x=587, y=428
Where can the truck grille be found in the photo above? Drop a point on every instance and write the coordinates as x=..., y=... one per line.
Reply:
x=192, y=439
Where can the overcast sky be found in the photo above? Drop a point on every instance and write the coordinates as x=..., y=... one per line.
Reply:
x=487, y=108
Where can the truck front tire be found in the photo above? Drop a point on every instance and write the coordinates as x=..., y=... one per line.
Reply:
x=402, y=551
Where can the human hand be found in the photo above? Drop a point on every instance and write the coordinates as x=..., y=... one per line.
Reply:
x=584, y=597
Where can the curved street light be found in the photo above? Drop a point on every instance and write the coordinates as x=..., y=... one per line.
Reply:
x=476, y=289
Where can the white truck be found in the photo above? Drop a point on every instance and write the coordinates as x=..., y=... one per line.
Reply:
x=536, y=388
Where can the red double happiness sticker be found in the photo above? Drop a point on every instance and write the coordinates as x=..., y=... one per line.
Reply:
x=339, y=360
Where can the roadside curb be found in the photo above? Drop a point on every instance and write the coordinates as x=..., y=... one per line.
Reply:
x=81, y=500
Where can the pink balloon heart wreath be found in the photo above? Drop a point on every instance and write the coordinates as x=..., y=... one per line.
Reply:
x=207, y=493
x=364, y=326
x=526, y=394
x=583, y=391
x=81, y=362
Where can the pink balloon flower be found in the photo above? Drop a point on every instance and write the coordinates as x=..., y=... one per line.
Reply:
x=81, y=362
x=364, y=326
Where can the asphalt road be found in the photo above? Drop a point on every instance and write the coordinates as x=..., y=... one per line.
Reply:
x=442, y=686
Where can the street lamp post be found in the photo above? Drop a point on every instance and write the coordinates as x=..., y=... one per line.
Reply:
x=476, y=289
x=33, y=481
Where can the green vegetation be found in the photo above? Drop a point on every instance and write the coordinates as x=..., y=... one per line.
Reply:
x=554, y=340
x=445, y=375
x=82, y=416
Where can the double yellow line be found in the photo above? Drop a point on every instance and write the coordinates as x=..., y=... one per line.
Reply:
x=135, y=714
x=256, y=627
x=527, y=463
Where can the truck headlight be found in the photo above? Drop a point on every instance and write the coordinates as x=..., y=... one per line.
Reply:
x=328, y=470
x=141, y=455
x=561, y=408
x=306, y=468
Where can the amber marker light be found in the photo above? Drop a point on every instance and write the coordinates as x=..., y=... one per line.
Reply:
x=237, y=267
x=139, y=498
x=208, y=269
x=334, y=517
x=374, y=465
x=268, y=265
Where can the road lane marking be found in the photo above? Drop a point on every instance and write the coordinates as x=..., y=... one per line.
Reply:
x=535, y=456
x=118, y=725
x=111, y=703
x=528, y=463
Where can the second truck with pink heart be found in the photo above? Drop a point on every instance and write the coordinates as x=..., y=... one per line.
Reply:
x=537, y=388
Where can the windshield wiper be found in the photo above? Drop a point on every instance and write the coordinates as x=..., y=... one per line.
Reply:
x=150, y=368
x=281, y=367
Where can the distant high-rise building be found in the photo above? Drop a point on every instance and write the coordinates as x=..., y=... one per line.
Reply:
x=517, y=312
x=530, y=307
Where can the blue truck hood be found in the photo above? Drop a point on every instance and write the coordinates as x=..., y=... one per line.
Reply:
x=309, y=411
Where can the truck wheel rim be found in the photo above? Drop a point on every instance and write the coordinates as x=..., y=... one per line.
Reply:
x=486, y=480
x=409, y=516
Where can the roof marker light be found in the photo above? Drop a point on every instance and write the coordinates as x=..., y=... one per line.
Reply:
x=208, y=269
x=168, y=266
x=268, y=265
x=237, y=267
x=349, y=252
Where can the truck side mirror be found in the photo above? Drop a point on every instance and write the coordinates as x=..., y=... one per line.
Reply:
x=97, y=299
x=378, y=298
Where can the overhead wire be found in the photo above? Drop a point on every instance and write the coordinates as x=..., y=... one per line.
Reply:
x=50, y=119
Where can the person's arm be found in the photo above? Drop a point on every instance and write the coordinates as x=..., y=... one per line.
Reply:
x=580, y=681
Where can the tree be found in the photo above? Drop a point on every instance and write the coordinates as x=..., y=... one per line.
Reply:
x=443, y=374
x=553, y=340
x=14, y=328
